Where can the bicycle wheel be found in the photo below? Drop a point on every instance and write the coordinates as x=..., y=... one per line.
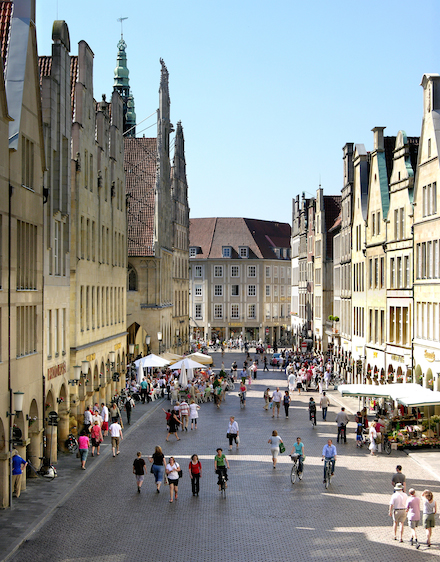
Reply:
x=47, y=474
x=387, y=447
x=293, y=474
x=72, y=446
x=223, y=489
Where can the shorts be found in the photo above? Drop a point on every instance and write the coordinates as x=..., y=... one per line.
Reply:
x=115, y=441
x=429, y=520
x=275, y=452
x=299, y=385
x=174, y=481
x=104, y=426
x=277, y=404
x=139, y=478
x=413, y=523
x=399, y=515
x=358, y=437
x=83, y=454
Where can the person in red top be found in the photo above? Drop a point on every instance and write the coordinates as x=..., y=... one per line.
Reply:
x=195, y=473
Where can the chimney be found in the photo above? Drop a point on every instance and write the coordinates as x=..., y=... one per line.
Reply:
x=378, y=138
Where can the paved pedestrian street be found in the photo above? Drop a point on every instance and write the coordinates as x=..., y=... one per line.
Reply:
x=263, y=517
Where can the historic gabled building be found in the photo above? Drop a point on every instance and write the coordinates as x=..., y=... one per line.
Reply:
x=426, y=346
x=296, y=324
x=305, y=311
x=327, y=211
x=158, y=220
x=360, y=200
x=22, y=165
x=98, y=240
x=240, y=279
x=399, y=258
x=381, y=160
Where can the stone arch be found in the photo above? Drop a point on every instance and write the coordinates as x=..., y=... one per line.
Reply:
x=132, y=278
x=429, y=381
x=50, y=430
x=419, y=375
x=96, y=379
x=399, y=373
x=34, y=425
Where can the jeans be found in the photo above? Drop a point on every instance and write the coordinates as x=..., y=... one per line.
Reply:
x=158, y=471
x=286, y=409
x=195, y=483
x=329, y=460
x=324, y=413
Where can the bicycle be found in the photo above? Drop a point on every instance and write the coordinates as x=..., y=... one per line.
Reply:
x=71, y=443
x=297, y=465
x=386, y=445
x=222, y=481
x=313, y=418
x=46, y=471
x=328, y=466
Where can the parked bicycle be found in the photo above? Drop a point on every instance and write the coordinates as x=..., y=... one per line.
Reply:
x=297, y=468
x=47, y=471
x=386, y=445
x=71, y=443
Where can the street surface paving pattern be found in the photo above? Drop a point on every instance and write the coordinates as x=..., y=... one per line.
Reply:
x=97, y=514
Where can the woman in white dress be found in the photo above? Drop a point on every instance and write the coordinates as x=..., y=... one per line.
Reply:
x=372, y=434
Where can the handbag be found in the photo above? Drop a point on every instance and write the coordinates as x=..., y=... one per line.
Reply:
x=282, y=447
x=227, y=435
x=151, y=469
x=180, y=473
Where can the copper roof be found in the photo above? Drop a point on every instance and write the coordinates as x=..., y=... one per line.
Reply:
x=210, y=235
x=140, y=172
x=5, y=22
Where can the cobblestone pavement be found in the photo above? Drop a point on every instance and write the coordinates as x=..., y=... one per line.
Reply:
x=263, y=518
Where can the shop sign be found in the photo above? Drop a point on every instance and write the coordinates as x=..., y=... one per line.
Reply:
x=398, y=358
x=56, y=371
x=117, y=346
x=429, y=356
x=91, y=357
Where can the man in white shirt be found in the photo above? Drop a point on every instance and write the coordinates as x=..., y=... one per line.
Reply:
x=104, y=416
x=325, y=403
x=291, y=380
x=276, y=402
x=116, y=435
x=398, y=509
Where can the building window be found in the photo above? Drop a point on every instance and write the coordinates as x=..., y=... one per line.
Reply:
x=243, y=251
x=218, y=290
x=429, y=199
x=267, y=311
x=132, y=279
x=26, y=330
x=267, y=270
x=252, y=271
x=318, y=276
x=235, y=271
x=26, y=256
x=252, y=290
x=192, y=252
x=275, y=290
x=234, y=291
x=198, y=290
x=226, y=250
x=199, y=312
x=218, y=311
x=275, y=271
x=234, y=311
x=198, y=271
x=218, y=271
x=251, y=311
x=27, y=163
x=267, y=290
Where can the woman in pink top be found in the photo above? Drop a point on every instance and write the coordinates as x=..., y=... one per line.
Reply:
x=83, y=445
x=413, y=511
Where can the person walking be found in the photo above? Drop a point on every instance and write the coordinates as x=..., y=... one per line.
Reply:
x=144, y=390
x=399, y=477
x=184, y=414
x=172, y=469
x=274, y=442
x=266, y=397
x=342, y=420
x=173, y=424
x=265, y=368
x=276, y=402
x=96, y=436
x=115, y=414
x=104, y=416
x=195, y=473
x=193, y=414
x=17, y=472
x=397, y=509
x=372, y=435
x=233, y=432
x=158, y=466
x=429, y=511
x=291, y=381
x=83, y=446
x=116, y=434
x=129, y=405
x=87, y=419
x=139, y=470
x=324, y=403
x=286, y=402
x=413, y=514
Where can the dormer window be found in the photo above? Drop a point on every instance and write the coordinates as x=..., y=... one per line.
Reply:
x=226, y=251
x=243, y=251
x=194, y=250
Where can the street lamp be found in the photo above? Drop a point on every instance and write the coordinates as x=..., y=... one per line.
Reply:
x=147, y=343
x=159, y=339
x=76, y=375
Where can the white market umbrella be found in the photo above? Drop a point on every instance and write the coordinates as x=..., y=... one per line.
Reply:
x=149, y=361
x=188, y=364
x=183, y=377
x=201, y=358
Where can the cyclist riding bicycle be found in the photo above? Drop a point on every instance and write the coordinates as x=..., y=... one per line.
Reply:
x=220, y=465
x=298, y=448
x=243, y=393
x=312, y=410
x=329, y=454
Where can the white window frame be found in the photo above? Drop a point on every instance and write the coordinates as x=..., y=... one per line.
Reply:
x=252, y=291
x=235, y=271
x=198, y=270
x=198, y=290
x=218, y=271
x=218, y=290
x=218, y=311
x=252, y=270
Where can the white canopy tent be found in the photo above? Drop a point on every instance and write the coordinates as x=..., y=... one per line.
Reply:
x=201, y=358
x=186, y=367
x=147, y=362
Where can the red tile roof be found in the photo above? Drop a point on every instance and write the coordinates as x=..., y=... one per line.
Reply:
x=261, y=237
x=44, y=67
x=140, y=172
x=5, y=22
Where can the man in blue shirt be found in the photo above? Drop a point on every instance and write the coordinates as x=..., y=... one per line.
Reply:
x=329, y=454
x=17, y=471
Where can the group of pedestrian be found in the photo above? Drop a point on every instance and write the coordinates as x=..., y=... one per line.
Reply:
x=403, y=506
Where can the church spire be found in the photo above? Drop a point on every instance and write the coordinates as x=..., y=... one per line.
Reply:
x=122, y=85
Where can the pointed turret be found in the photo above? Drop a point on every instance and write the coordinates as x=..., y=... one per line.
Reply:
x=122, y=85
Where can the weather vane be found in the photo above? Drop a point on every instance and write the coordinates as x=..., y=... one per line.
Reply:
x=121, y=20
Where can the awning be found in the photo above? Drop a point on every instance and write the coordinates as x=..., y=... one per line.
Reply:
x=408, y=394
x=201, y=358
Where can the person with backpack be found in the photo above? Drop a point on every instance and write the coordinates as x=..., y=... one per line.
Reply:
x=312, y=410
x=129, y=404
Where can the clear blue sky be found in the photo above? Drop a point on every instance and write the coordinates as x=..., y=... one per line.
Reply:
x=268, y=92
